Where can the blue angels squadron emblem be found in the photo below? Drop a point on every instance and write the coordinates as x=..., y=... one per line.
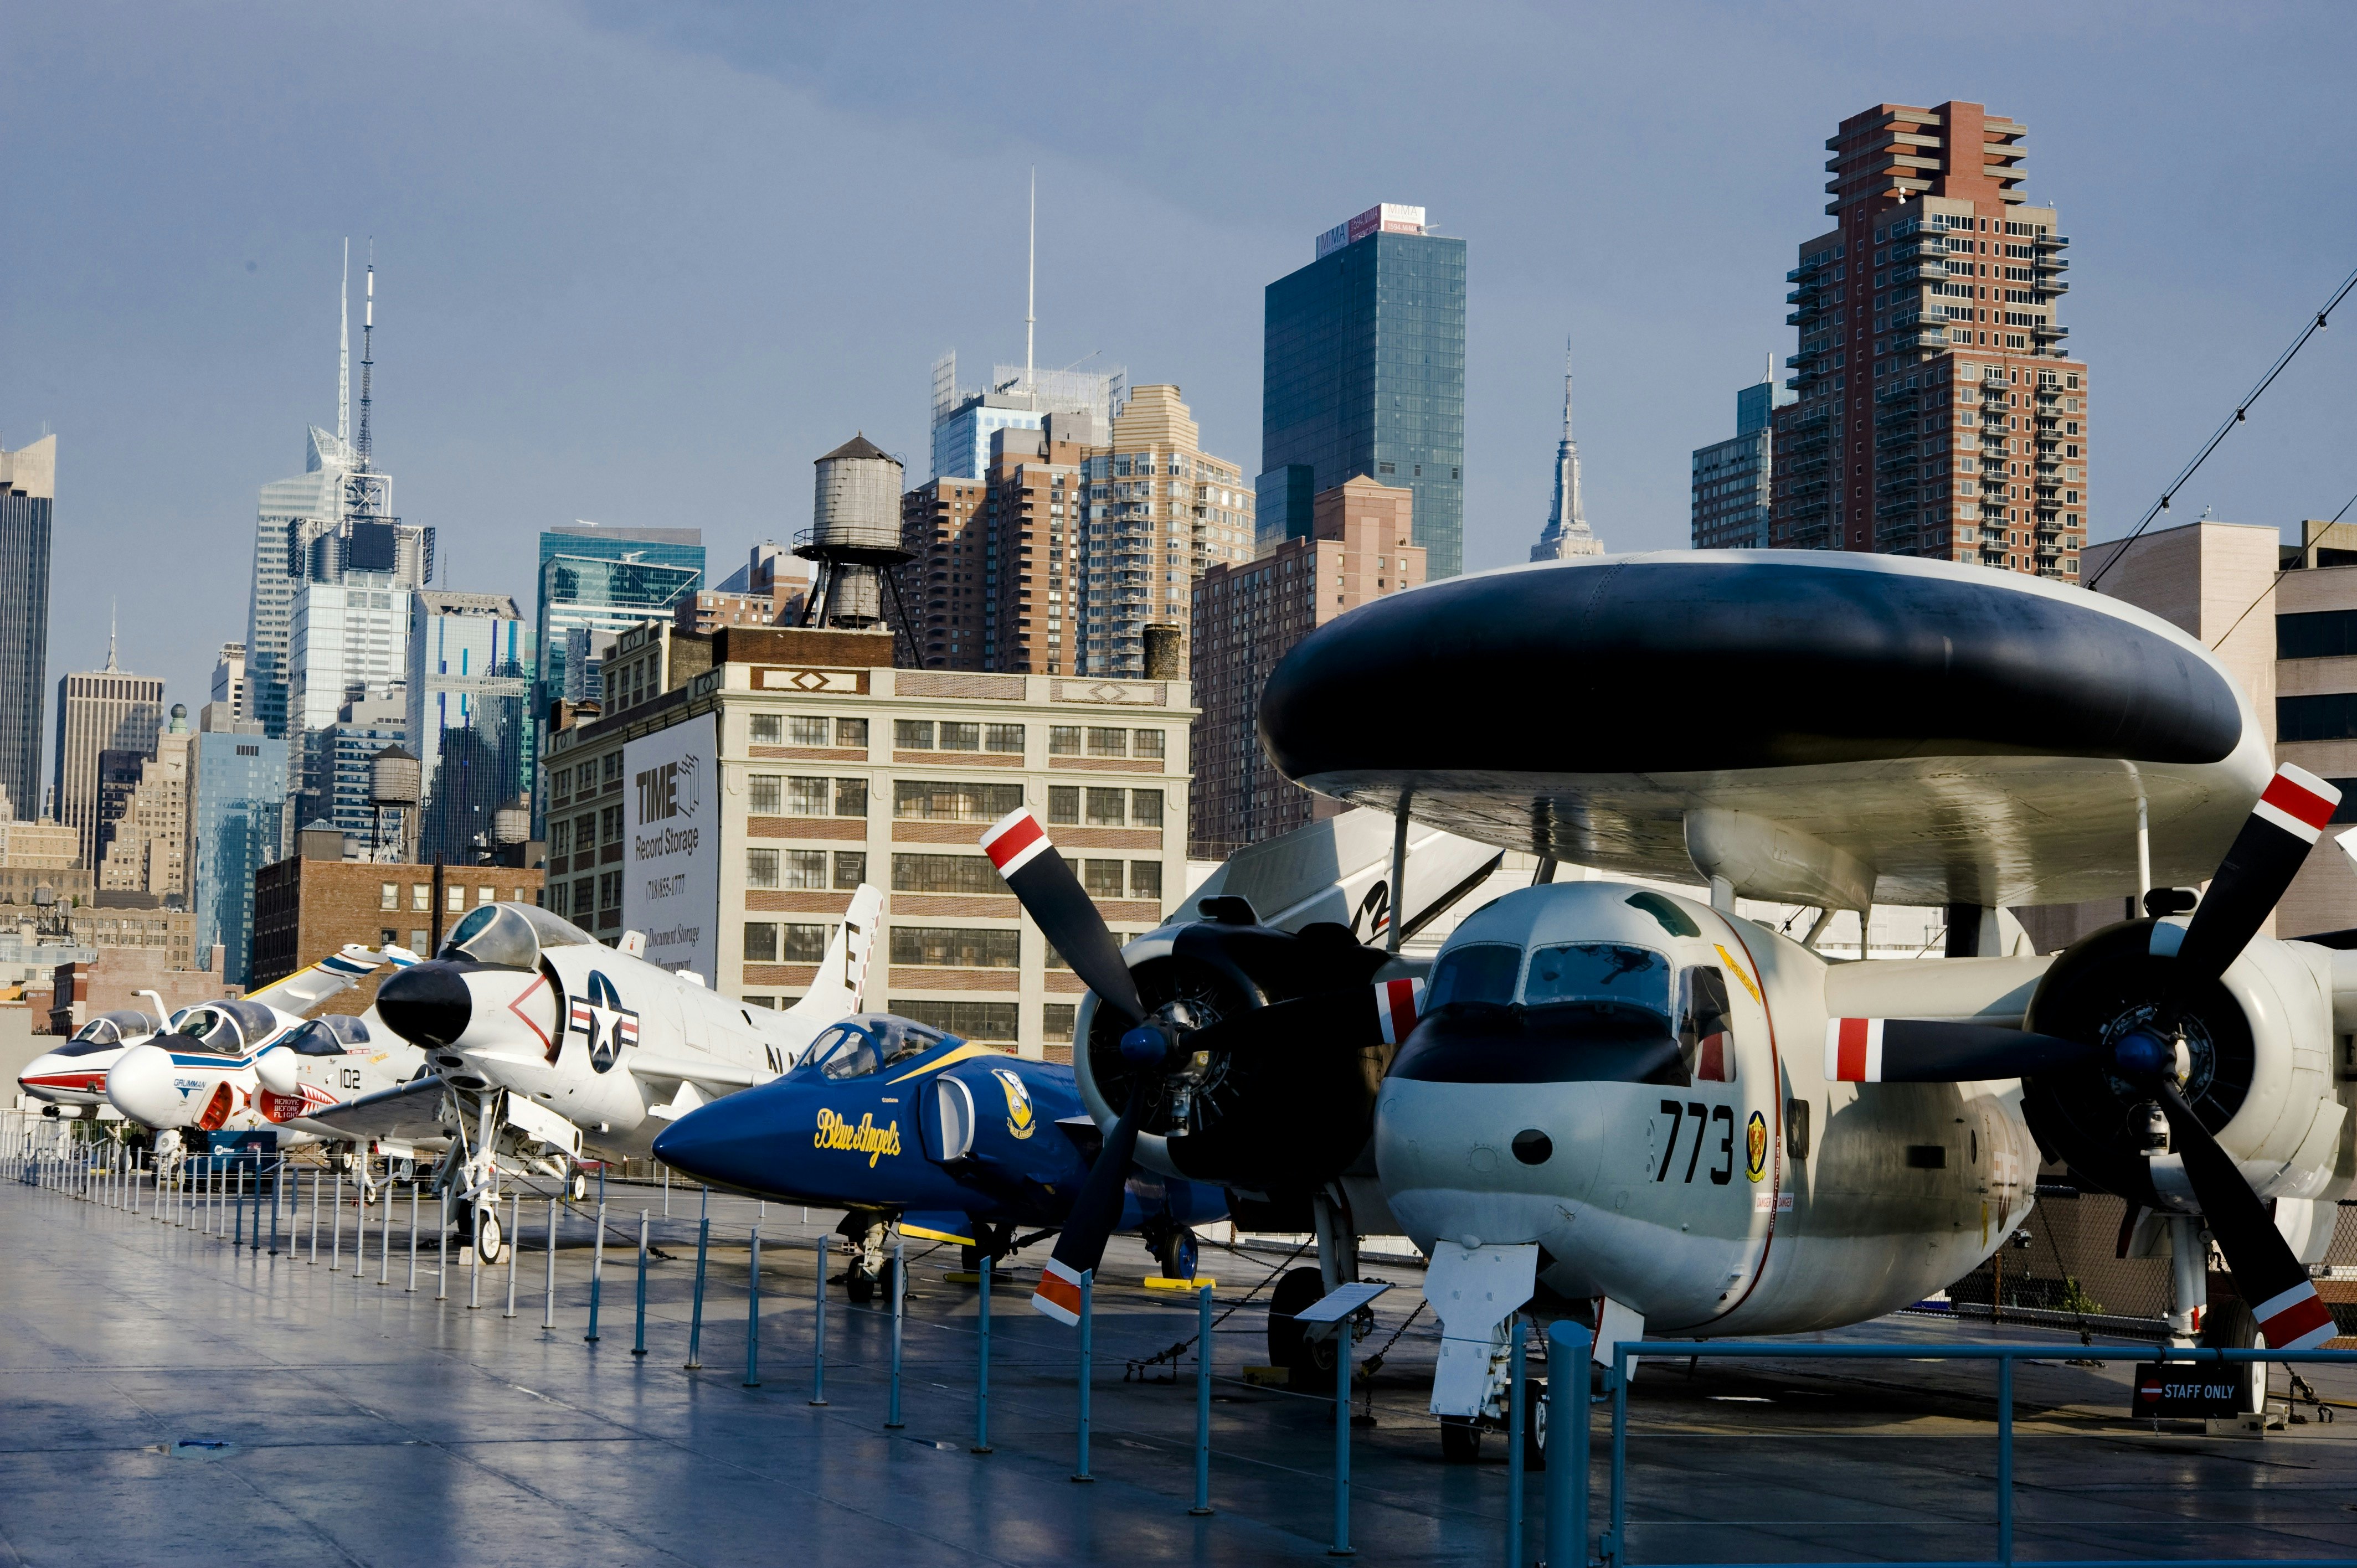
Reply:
x=604, y=1024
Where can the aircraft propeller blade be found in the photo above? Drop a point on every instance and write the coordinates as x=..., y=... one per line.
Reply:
x=2266, y=1272
x=1926, y=1050
x=2265, y=855
x=1044, y=885
x=1096, y=1209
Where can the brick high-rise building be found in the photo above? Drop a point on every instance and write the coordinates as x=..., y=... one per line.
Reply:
x=1249, y=616
x=100, y=711
x=1161, y=510
x=1938, y=413
x=994, y=571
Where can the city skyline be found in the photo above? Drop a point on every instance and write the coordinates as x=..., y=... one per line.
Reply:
x=484, y=391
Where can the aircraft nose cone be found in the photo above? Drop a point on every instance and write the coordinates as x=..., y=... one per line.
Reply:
x=49, y=1074
x=741, y=1141
x=426, y=1004
x=140, y=1086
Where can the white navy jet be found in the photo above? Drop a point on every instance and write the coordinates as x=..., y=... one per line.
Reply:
x=545, y=1043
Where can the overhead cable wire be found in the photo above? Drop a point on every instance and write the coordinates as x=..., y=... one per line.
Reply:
x=2314, y=325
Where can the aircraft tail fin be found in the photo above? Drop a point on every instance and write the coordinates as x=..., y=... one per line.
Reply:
x=841, y=987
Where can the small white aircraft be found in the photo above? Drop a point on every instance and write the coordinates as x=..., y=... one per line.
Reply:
x=544, y=1042
x=75, y=1073
x=253, y=1063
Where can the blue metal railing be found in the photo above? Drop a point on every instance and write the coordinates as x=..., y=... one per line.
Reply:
x=1613, y=1548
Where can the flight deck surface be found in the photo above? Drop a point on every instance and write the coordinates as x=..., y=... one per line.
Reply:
x=371, y=1424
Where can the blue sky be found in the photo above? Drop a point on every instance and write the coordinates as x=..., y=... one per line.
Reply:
x=639, y=264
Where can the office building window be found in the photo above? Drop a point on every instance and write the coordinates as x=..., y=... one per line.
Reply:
x=1106, y=807
x=1056, y=1020
x=808, y=797
x=1102, y=878
x=951, y=947
x=912, y=735
x=802, y=731
x=765, y=729
x=389, y=897
x=928, y=800
x=851, y=733
x=1146, y=807
x=1146, y=743
x=992, y=1021
x=1064, y=804
x=945, y=874
x=1063, y=740
x=850, y=869
x=805, y=868
x=961, y=736
x=764, y=794
x=760, y=868
x=1108, y=742
x=851, y=797
x=1002, y=738
x=1146, y=879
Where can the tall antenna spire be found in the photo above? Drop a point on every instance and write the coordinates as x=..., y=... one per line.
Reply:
x=368, y=350
x=1769, y=372
x=110, y=634
x=1031, y=291
x=344, y=349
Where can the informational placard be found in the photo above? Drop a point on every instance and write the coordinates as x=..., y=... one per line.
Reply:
x=2188, y=1391
x=671, y=880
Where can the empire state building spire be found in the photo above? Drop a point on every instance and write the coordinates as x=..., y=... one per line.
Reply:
x=1568, y=534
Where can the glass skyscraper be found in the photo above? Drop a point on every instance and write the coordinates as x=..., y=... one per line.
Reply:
x=27, y=489
x=605, y=581
x=470, y=716
x=237, y=812
x=1364, y=373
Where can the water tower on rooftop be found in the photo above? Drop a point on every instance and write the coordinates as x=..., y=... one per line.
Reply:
x=854, y=538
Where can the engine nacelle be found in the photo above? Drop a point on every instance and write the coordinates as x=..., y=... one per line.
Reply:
x=2256, y=1055
x=1282, y=1118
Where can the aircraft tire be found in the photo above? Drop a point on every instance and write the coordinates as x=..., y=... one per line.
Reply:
x=858, y=1286
x=1535, y=1424
x=1309, y=1362
x=490, y=1237
x=1460, y=1439
x=580, y=1186
x=1178, y=1255
x=2229, y=1325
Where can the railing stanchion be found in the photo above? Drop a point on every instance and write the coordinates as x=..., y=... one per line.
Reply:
x=597, y=1257
x=548, y=1294
x=442, y=1247
x=818, y=1327
x=1345, y=1333
x=515, y=1244
x=1611, y=1549
x=1567, y=1443
x=638, y=1346
x=892, y=1422
x=1088, y=1283
x=695, y=1313
x=336, y=1228
x=1517, y=1416
x=412, y=1286
x=1203, y=1401
x=981, y=1358
x=753, y=1314
x=2004, y=1461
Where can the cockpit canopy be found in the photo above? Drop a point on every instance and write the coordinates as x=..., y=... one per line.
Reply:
x=870, y=1042
x=1569, y=1012
x=229, y=1027
x=107, y=1030
x=333, y=1036
x=511, y=935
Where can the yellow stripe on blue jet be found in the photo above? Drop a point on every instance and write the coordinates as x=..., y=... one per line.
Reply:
x=948, y=1059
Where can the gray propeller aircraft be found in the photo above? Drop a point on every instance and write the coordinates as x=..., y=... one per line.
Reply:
x=1625, y=1106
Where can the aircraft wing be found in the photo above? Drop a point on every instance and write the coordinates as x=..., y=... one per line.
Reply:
x=332, y=975
x=411, y=1111
x=699, y=1070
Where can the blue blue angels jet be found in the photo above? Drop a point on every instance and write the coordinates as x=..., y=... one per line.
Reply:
x=892, y=1121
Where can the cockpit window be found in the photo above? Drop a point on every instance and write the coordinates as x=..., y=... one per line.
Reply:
x=845, y=1051
x=511, y=935
x=1478, y=972
x=330, y=1037
x=1600, y=972
x=110, y=1028
x=231, y=1028
x=913, y=1042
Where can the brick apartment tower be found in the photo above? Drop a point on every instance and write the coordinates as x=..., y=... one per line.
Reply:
x=995, y=558
x=1249, y=616
x=1965, y=438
